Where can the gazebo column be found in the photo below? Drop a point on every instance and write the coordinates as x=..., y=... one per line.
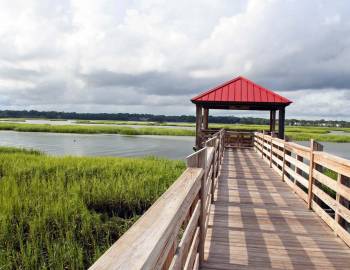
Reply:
x=272, y=120
x=281, y=120
x=198, y=125
x=205, y=118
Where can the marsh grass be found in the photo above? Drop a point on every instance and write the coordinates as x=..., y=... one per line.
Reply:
x=138, y=123
x=95, y=129
x=64, y=212
x=321, y=134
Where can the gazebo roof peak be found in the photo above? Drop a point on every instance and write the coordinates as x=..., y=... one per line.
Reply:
x=241, y=91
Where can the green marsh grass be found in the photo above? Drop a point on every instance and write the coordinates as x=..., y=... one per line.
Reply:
x=95, y=129
x=138, y=123
x=321, y=134
x=64, y=212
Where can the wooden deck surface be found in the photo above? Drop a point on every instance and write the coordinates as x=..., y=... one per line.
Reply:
x=257, y=222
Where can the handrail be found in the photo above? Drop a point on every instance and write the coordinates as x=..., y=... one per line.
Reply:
x=171, y=234
x=322, y=180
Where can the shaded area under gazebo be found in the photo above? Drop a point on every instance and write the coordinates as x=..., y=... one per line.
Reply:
x=239, y=94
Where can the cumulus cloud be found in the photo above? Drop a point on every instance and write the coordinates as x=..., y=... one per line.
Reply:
x=153, y=56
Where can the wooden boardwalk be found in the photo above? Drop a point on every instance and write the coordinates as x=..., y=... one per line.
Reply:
x=257, y=222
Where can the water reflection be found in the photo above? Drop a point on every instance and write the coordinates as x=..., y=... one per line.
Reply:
x=100, y=144
x=174, y=147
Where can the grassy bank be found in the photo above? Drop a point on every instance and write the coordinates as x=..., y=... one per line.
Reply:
x=95, y=129
x=138, y=123
x=318, y=137
x=63, y=213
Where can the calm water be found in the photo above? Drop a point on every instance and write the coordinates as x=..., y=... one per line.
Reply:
x=338, y=149
x=172, y=147
x=340, y=132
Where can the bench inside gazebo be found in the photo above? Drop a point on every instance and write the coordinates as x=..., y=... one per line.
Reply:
x=238, y=94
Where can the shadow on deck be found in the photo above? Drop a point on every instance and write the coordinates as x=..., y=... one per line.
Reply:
x=257, y=222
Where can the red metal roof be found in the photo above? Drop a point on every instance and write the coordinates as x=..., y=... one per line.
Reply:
x=240, y=90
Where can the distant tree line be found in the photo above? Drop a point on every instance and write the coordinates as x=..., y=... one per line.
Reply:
x=162, y=118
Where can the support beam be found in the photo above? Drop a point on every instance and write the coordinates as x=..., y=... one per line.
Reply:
x=198, y=125
x=206, y=118
x=281, y=121
x=272, y=120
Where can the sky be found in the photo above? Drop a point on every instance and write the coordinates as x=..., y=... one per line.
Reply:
x=152, y=56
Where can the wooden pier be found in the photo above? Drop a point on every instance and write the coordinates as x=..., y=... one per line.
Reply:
x=256, y=222
x=267, y=204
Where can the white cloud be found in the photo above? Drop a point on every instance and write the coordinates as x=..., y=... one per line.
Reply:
x=152, y=55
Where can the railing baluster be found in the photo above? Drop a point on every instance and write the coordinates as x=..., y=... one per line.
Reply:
x=284, y=162
x=271, y=146
x=311, y=179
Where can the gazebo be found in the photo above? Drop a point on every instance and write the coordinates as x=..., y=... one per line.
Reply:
x=239, y=94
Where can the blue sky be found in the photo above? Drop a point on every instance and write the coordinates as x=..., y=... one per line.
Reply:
x=152, y=56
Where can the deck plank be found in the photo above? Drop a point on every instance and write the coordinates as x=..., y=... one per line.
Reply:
x=257, y=222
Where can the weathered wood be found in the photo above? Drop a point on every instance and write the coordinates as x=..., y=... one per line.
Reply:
x=337, y=164
x=235, y=191
x=299, y=150
x=256, y=222
x=205, y=118
x=193, y=250
x=271, y=151
x=198, y=126
x=317, y=160
x=272, y=120
x=311, y=170
x=324, y=179
x=284, y=163
x=144, y=245
x=202, y=162
x=281, y=120
x=184, y=245
x=196, y=263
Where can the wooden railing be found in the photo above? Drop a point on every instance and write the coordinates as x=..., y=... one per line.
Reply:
x=232, y=138
x=239, y=139
x=322, y=180
x=171, y=234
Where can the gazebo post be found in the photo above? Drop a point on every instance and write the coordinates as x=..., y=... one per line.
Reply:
x=198, y=125
x=206, y=118
x=272, y=120
x=281, y=120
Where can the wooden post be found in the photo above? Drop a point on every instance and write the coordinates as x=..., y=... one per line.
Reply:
x=202, y=217
x=314, y=146
x=199, y=161
x=263, y=142
x=272, y=120
x=281, y=120
x=205, y=118
x=337, y=199
x=271, y=152
x=215, y=168
x=198, y=126
x=284, y=161
x=311, y=179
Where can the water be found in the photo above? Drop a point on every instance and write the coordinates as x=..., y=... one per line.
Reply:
x=173, y=147
x=339, y=132
x=338, y=149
